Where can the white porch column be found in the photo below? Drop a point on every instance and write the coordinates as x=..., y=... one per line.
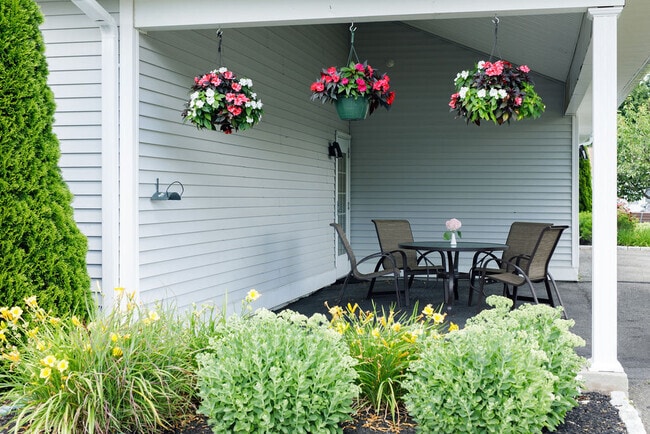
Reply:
x=604, y=278
x=129, y=150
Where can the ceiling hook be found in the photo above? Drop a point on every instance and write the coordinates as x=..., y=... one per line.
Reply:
x=352, y=28
x=495, y=20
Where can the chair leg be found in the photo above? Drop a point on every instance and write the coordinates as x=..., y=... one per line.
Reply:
x=557, y=292
x=407, y=286
x=397, y=291
x=532, y=290
x=372, y=282
x=345, y=284
x=549, y=295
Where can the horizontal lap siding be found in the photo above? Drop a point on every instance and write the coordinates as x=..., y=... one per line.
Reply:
x=73, y=50
x=257, y=203
x=419, y=163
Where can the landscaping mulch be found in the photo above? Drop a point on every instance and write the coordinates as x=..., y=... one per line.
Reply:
x=595, y=414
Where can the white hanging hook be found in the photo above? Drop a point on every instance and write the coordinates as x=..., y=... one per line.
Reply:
x=495, y=20
x=352, y=28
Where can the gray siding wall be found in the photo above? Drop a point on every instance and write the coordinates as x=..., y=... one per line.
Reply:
x=257, y=204
x=419, y=163
x=73, y=50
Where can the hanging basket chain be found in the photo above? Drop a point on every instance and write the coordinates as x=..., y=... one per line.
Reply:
x=495, y=45
x=220, y=36
x=352, y=50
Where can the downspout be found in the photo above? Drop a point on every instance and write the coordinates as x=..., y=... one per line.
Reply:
x=109, y=144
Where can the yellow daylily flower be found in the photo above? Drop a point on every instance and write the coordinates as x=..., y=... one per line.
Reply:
x=31, y=302
x=252, y=296
x=438, y=318
x=13, y=356
x=117, y=352
x=45, y=373
x=428, y=310
x=33, y=332
x=49, y=360
x=453, y=327
x=62, y=365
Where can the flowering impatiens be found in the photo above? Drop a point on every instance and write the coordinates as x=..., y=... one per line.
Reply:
x=358, y=80
x=495, y=91
x=221, y=101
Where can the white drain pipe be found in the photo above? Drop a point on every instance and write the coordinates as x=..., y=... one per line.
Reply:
x=110, y=143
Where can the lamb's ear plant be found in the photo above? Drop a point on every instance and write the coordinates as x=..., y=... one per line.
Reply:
x=384, y=344
x=129, y=370
x=284, y=373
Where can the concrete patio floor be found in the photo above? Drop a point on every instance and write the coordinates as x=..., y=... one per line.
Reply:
x=633, y=306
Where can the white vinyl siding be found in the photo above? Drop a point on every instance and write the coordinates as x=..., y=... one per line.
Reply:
x=73, y=51
x=257, y=203
x=419, y=163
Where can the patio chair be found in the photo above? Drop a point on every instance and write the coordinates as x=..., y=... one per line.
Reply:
x=521, y=240
x=390, y=270
x=528, y=269
x=392, y=232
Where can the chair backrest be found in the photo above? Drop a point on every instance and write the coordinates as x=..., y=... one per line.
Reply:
x=522, y=238
x=537, y=267
x=392, y=232
x=346, y=246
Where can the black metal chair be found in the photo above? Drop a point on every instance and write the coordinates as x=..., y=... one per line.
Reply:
x=527, y=269
x=390, y=269
x=389, y=234
x=521, y=240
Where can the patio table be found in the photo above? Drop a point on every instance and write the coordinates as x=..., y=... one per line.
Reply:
x=452, y=251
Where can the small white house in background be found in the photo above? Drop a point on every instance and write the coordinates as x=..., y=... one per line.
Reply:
x=256, y=205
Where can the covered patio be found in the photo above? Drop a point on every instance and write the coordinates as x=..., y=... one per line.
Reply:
x=257, y=205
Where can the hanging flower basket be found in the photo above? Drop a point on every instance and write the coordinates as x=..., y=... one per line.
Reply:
x=359, y=81
x=497, y=92
x=222, y=102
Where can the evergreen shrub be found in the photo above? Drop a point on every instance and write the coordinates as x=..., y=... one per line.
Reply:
x=42, y=252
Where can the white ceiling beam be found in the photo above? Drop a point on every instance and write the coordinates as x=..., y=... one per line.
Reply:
x=194, y=14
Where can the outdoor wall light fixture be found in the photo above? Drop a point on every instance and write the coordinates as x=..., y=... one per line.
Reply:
x=334, y=150
x=168, y=195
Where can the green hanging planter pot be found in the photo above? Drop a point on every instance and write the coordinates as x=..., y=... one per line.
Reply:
x=352, y=109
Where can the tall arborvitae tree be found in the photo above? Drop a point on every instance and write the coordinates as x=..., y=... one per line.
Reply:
x=584, y=181
x=42, y=252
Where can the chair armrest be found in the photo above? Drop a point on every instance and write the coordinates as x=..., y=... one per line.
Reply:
x=382, y=256
x=427, y=261
x=481, y=260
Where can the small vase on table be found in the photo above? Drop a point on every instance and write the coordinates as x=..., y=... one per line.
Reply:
x=452, y=240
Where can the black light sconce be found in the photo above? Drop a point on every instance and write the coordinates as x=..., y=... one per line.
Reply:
x=334, y=150
x=168, y=195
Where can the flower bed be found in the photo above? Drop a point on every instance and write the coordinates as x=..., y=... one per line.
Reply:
x=135, y=370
